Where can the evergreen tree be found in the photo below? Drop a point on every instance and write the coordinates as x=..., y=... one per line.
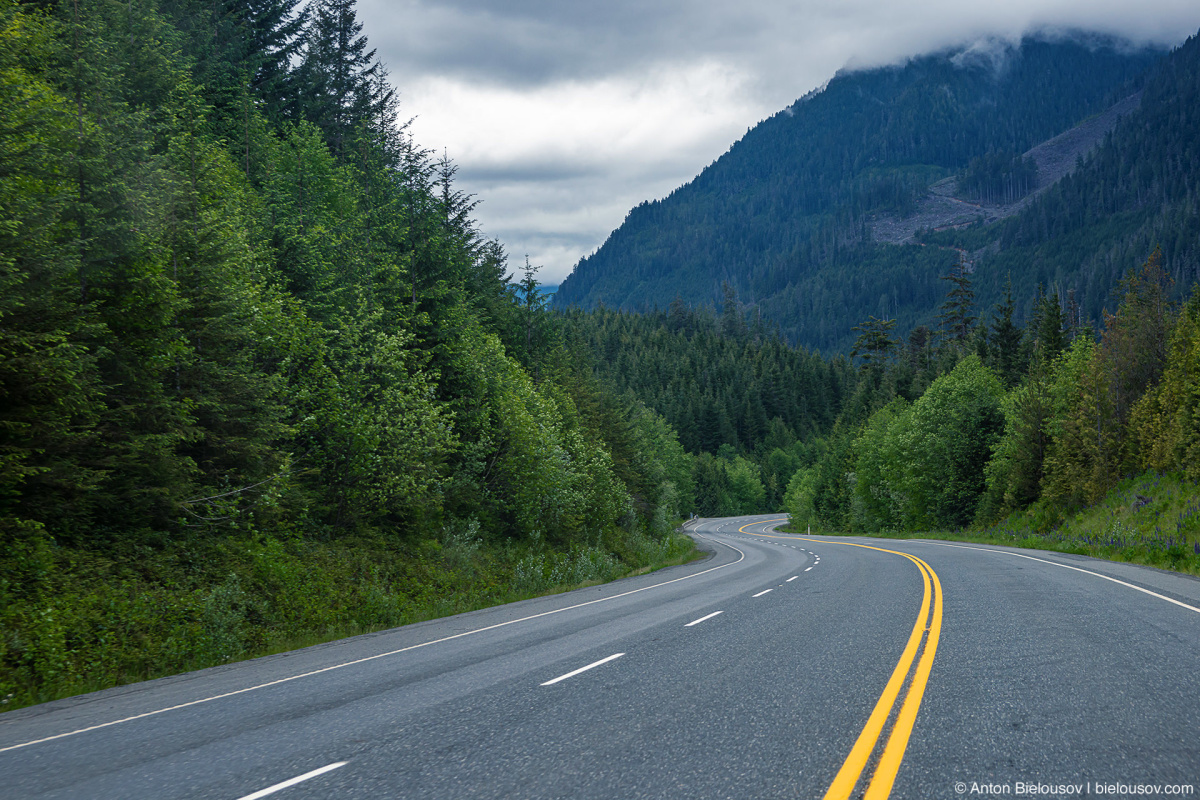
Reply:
x=874, y=345
x=1046, y=333
x=339, y=74
x=1004, y=339
x=957, y=321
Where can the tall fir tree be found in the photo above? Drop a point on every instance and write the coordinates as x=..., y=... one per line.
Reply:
x=957, y=319
x=340, y=75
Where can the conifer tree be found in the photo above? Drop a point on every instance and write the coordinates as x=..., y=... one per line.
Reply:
x=340, y=74
x=1004, y=339
x=1046, y=332
x=957, y=321
x=874, y=345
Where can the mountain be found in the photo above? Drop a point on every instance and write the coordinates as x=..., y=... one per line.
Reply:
x=819, y=217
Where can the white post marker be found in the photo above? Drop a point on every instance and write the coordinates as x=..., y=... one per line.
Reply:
x=582, y=669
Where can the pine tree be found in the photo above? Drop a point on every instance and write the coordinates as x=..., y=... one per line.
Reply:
x=1005, y=340
x=874, y=344
x=50, y=397
x=957, y=321
x=340, y=75
x=1134, y=346
x=1046, y=333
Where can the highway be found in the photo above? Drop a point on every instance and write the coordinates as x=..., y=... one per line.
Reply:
x=780, y=666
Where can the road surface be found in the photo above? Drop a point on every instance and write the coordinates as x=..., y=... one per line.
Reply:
x=780, y=666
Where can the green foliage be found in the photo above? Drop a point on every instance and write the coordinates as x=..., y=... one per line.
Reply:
x=1166, y=421
x=800, y=500
x=923, y=467
x=1096, y=389
x=1004, y=341
x=105, y=620
x=956, y=315
x=262, y=377
x=49, y=392
x=730, y=387
x=1014, y=473
x=1150, y=518
x=874, y=344
x=998, y=178
x=879, y=499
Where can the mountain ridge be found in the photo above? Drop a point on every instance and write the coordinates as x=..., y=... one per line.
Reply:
x=787, y=215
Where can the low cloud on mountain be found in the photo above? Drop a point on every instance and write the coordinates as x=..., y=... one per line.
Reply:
x=562, y=116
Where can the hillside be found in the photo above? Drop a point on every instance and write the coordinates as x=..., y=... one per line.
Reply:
x=799, y=214
x=1135, y=192
x=945, y=205
x=263, y=380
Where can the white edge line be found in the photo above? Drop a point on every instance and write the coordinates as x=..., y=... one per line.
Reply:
x=764, y=591
x=1077, y=569
x=698, y=621
x=369, y=658
x=1057, y=564
x=292, y=782
x=573, y=673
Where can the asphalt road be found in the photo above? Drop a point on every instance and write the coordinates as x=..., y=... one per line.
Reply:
x=781, y=666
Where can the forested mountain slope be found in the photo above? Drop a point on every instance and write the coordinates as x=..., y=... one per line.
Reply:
x=1139, y=190
x=744, y=402
x=261, y=376
x=785, y=216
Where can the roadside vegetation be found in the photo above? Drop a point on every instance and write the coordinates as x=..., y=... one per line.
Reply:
x=264, y=383
x=1150, y=519
x=203, y=602
x=1052, y=437
x=262, y=379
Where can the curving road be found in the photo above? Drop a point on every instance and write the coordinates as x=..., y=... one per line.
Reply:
x=781, y=666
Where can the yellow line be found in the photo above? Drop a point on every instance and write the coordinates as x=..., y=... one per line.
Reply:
x=860, y=754
x=889, y=763
x=760, y=522
x=893, y=754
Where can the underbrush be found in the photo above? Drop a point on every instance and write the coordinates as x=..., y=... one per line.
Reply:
x=99, y=619
x=1148, y=519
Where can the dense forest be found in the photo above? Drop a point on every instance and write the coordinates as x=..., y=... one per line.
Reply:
x=1135, y=192
x=264, y=382
x=263, y=379
x=786, y=215
x=745, y=404
x=1031, y=425
x=1052, y=432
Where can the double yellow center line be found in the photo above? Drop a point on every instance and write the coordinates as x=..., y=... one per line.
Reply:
x=927, y=629
x=923, y=640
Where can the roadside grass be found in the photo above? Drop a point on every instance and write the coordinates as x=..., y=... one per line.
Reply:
x=108, y=619
x=1148, y=519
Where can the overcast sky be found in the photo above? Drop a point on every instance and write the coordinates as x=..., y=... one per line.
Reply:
x=564, y=114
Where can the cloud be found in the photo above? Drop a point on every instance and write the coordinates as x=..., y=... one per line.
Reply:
x=557, y=166
x=562, y=115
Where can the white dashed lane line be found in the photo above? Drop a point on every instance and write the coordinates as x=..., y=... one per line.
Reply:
x=698, y=621
x=288, y=783
x=573, y=673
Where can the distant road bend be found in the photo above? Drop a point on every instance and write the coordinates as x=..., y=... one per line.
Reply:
x=781, y=666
